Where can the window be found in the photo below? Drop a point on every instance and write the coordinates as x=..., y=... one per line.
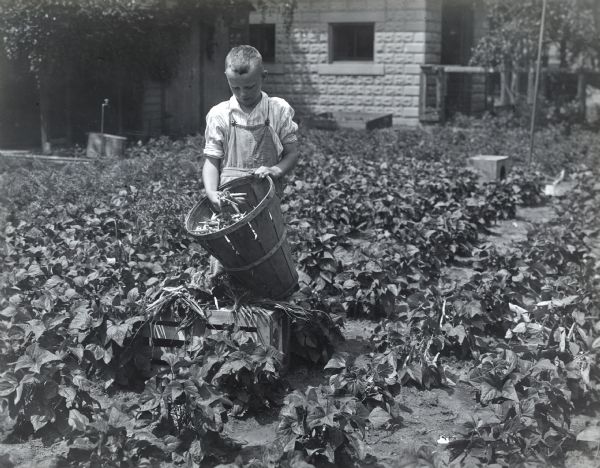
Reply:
x=352, y=41
x=457, y=33
x=262, y=36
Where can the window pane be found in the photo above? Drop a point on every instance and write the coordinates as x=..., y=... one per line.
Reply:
x=262, y=36
x=352, y=41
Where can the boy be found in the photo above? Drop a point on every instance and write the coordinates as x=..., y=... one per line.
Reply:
x=251, y=133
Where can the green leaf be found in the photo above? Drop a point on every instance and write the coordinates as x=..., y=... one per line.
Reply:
x=415, y=371
x=151, y=281
x=196, y=452
x=338, y=361
x=565, y=301
x=175, y=388
x=230, y=368
x=170, y=358
x=336, y=437
x=379, y=417
x=82, y=320
x=119, y=419
x=96, y=350
x=82, y=383
x=9, y=311
x=117, y=333
x=459, y=332
x=473, y=308
x=53, y=282
x=68, y=393
x=8, y=384
x=34, y=358
x=543, y=364
x=34, y=326
x=358, y=445
x=133, y=294
x=590, y=434
x=78, y=421
x=489, y=392
x=39, y=420
x=509, y=392
x=34, y=270
x=329, y=453
x=326, y=238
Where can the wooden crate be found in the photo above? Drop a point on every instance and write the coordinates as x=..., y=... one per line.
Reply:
x=356, y=120
x=104, y=144
x=272, y=328
x=491, y=167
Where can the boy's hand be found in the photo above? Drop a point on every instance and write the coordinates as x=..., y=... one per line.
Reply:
x=214, y=197
x=273, y=171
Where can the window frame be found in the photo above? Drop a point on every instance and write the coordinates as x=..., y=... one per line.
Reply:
x=264, y=26
x=332, y=41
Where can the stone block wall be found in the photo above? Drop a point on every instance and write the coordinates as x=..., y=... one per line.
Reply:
x=407, y=34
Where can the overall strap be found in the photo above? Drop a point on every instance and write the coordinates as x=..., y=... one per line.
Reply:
x=267, y=121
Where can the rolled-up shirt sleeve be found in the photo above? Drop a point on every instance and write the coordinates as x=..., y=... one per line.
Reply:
x=288, y=128
x=214, y=135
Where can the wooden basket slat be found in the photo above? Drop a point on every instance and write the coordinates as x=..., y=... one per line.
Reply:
x=252, y=249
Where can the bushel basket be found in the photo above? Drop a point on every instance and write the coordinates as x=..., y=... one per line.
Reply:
x=254, y=249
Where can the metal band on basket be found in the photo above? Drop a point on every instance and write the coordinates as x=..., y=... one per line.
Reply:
x=263, y=258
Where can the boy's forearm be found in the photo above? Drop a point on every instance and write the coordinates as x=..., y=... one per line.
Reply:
x=210, y=175
x=289, y=159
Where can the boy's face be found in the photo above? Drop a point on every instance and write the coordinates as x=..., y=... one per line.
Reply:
x=247, y=87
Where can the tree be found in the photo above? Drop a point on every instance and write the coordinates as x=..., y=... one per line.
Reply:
x=572, y=30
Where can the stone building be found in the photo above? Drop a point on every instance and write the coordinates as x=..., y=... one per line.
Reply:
x=350, y=56
x=366, y=57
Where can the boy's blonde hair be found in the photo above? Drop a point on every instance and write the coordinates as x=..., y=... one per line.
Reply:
x=242, y=59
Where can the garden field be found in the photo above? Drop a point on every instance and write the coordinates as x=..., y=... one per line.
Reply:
x=440, y=320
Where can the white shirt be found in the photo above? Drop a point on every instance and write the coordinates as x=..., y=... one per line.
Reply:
x=279, y=112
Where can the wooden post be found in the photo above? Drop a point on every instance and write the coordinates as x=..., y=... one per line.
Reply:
x=423, y=93
x=44, y=107
x=163, y=107
x=440, y=93
x=537, y=77
x=196, y=44
x=530, y=84
x=504, y=85
x=69, y=104
x=581, y=92
x=120, y=100
x=543, y=88
x=514, y=86
x=438, y=112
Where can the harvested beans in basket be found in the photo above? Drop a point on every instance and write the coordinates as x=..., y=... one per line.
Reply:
x=230, y=214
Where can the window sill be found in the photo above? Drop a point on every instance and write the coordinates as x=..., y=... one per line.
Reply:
x=274, y=68
x=350, y=68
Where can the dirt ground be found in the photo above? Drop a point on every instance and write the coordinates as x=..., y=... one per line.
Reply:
x=428, y=416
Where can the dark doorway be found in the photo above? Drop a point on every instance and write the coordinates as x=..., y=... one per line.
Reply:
x=19, y=114
x=457, y=42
